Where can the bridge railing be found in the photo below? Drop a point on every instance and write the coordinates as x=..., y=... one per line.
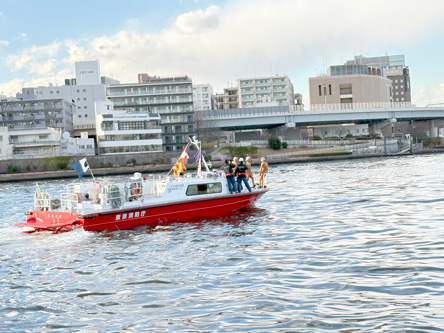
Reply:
x=297, y=143
x=353, y=106
x=372, y=105
x=391, y=145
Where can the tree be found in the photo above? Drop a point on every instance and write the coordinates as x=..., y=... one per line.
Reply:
x=274, y=143
x=205, y=130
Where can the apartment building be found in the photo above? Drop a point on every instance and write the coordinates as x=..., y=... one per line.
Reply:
x=229, y=99
x=32, y=129
x=37, y=114
x=263, y=91
x=123, y=132
x=83, y=90
x=274, y=89
x=202, y=97
x=171, y=98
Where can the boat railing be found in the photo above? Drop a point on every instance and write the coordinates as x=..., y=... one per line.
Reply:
x=42, y=201
x=112, y=195
x=69, y=202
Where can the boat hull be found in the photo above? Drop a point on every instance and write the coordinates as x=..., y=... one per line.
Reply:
x=149, y=215
x=178, y=211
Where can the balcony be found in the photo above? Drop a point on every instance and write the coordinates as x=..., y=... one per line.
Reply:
x=246, y=83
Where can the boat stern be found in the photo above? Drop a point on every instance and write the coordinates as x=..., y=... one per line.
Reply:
x=52, y=221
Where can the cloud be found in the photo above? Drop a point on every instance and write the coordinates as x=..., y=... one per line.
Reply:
x=199, y=21
x=34, y=59
x=21, y=36
x=244, y=38
x=431, y=94
x=132, y=24
x=4, y=43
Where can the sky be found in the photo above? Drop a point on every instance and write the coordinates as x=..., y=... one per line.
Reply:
x=217, y=41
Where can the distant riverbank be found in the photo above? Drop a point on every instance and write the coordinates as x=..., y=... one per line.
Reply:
x=165, y=167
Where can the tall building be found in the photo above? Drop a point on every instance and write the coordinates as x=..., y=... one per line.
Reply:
x=33, y=128
x=37, y=114
x=228, y=100
x=349, y=89
x=202, y=97
x=171, y=98
x=273, y=89
x=264, y=91
x=395, y=70
x=123, y=132
x=83, y=91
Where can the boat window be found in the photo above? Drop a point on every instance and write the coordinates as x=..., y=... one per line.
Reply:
x=208, y=188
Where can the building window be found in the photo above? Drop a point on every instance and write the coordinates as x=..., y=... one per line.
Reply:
x=320, y=90
x=329, y=89
x=131, y=125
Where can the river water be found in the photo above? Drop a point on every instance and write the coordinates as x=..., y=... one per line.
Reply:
x=343, y=246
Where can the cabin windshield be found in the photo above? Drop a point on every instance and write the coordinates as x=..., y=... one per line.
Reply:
x=208, y=188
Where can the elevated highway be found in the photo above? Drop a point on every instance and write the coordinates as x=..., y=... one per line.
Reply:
x=268, y=117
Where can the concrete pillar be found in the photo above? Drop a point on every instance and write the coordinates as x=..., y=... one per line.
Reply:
x=433, y=129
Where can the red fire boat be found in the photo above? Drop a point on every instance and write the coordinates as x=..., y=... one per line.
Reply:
x=152, y=200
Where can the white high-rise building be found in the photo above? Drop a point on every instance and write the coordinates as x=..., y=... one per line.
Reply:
x=202, y=97
x=272, y=90
x=83, y=91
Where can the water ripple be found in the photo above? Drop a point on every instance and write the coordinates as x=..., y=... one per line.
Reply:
x=344, y=246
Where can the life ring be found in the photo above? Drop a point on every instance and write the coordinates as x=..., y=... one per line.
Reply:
x=136, y=190
x=77, y=197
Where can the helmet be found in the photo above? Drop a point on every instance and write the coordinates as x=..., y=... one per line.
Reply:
x=248, y=158
x=241, y=159
x=235, y=159
x=263, y=159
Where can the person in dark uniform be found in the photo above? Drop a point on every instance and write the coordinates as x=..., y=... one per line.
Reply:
x=241, y=173
x=229, y=174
